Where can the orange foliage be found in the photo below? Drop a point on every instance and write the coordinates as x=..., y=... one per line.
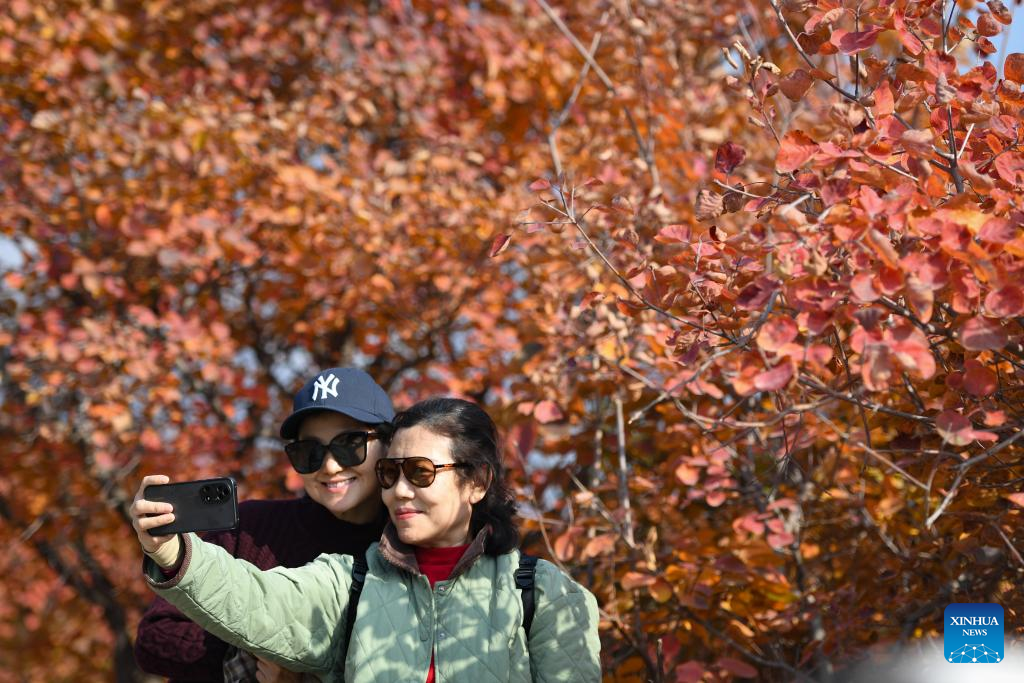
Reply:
x=762, y=306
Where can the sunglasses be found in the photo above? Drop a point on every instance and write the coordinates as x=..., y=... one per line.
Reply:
x=348, y=449
x=419, y=472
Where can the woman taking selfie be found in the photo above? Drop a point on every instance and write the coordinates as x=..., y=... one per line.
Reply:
x=439, y=600
x=339, y=423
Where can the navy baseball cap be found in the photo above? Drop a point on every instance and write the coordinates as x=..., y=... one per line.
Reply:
x=348, y=391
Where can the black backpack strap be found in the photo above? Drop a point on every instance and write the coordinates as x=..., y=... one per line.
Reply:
x=524, y=582
x=359, y=569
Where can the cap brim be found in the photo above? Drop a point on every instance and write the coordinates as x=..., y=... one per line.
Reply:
x=290, y=427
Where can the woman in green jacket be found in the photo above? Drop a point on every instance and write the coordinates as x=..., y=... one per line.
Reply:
x=439, y=602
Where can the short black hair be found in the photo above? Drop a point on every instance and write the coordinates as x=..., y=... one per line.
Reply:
x=475, y=442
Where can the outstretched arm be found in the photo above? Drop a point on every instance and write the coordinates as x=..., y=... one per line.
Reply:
x=287, y=616
x=291, y=617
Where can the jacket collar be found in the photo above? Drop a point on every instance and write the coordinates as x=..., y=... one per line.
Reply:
x=403, y=556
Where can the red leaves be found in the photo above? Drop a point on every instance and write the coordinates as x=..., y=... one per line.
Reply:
x=689, y=672
x=633, y=580
x=728, y=157
x=862, y=286
x=876, y=367
x=939, y=63
x=1010, y=166
x=499, y=244
x=547, y=411
x=883, y=248
x=1015, y=498
x=674, y=234
x=912, y=349
x=1013, y=67
x=870, y=201
x=987, y=25
x=978, y=379
x=920, y=298
x=774, y=379
x=776, y=333
x=884, y=103
x=910, y=42
x=687, y=474
x=795, y=150
x=1005, y=302
x=982, y=334
x=880, y=352
x=756, y=294
x=918, y=141
x=827, y=18
x=957, y=430
x=997, y=231
x=104, y=216
x=737, y=668
x=602, y=544
x=795, y=84
x=1000, y=12
x=565, y=545
x=855, y=42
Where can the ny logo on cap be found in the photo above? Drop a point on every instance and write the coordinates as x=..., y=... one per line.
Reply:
x=324, y=386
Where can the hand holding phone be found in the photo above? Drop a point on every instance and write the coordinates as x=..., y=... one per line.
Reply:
x=146, y=515
x=162, y=510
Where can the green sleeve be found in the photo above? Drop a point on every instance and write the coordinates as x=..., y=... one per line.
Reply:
x=292, y=617
x=564, y=643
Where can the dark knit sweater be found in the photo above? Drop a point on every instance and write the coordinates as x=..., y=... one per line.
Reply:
x=271, y=533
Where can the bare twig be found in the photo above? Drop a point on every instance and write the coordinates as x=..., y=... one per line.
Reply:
x=1009, y=441
x=792, y=39
x=627, y=509
x=870, y=405
x=1013, y=549
x=645, y=151
x=947, y=500
x=558, y=120
x=953, y=158
x=906, y=475
x=569, y=212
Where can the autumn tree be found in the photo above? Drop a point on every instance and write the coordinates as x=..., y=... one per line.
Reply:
x=787, y=337
x=751, y=316
x=207, y=199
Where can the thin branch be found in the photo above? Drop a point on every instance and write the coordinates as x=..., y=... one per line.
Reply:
x=1013, y=549
x=870, y=405
x=947, y=500
x=792, y=38
x=849, y=379
x=1009, y=441
x=906, y=475
x=627, y=508
x=645, y=152
x=577, y=221
x=953, y=158
x=557, y=122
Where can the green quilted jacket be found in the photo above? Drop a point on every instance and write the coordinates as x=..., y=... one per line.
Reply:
x=471, y=623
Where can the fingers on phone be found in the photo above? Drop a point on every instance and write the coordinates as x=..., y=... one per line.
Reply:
x=142, y=508
x=147, y=523
x=150, y=480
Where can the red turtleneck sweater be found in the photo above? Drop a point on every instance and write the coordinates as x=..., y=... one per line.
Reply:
x=437, y=565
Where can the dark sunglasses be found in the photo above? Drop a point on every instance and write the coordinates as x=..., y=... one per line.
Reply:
x=419, y=472
x=348, y=449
